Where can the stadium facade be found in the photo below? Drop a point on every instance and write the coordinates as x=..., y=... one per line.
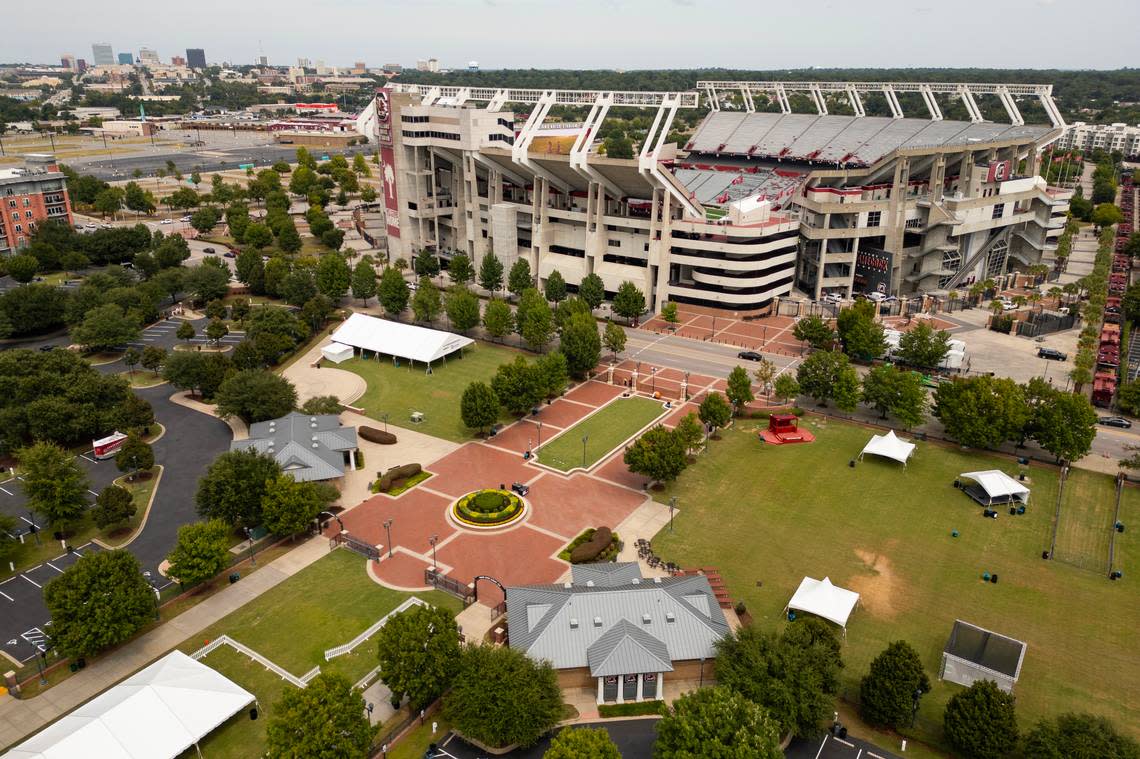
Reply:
x=753, y=205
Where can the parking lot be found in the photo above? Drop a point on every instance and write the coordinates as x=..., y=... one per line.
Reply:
x=163, y=334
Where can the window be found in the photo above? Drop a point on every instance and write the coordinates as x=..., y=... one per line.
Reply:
x=28, y=214
x=999, y=211
x=874, y=218
x=614, y=243
x=27, y=202
x=11, y=204
x=15, y=216
x=19, y=228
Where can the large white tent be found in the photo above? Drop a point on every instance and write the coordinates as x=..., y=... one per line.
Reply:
x=397, y=339
x=156, y=713
x=996, y=487
x=821, y=598
x=889, y=446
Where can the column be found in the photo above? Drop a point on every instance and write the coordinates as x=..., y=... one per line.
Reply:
x=660, y=687
x=620, y=689
x=601, y=691
x=640, y=681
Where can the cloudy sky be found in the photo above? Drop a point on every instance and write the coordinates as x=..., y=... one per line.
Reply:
x=626, y=34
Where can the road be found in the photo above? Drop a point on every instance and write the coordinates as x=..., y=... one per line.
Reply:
x=690, y=355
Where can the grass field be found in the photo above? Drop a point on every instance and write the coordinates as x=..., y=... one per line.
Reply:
x=766, y=516
x=607, y=429
x=1085, y=526
x=398, y=391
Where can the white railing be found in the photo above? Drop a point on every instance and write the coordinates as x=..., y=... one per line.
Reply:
x=340, y=650
x=225, y=640
x=365, y=681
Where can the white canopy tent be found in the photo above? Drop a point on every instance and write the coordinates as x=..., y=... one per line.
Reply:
x=821, y=598
x=996, y=487
x=889, y=446
x=337, y=352
x=396, y=339
x=156, y=713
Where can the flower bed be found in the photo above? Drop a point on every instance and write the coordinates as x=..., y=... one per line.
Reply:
x=609, y=554
x=488, y=508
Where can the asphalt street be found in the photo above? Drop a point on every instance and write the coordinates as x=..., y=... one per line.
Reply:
x=634, y=739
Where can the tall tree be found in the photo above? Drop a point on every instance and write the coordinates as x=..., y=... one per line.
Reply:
x=629, y=302
x=1065, y=425
x=519, y=278
x=419, y=654
x=614, y=338
x=592, y=290
x=56, y=486
x=814, y=331
x=716, y=723
x=1079, y=736
x=425, y=264
x=255, y=395
x=982, y=412
x=461, y=270
x=689, y=431
x=98, y=602
x=923, y=346
x=498, y=319
x=134, y=456
x=106, y=327
x=426, y=303
x=490, y=273
x=518, y=385
x=333, y=276
x=581, y=344
x=479, y=406
x=659, y=454
x=786, y=387
x=114, y=505
x=324, y=720
x=233, y=486
x=288, y=506
x=462, y=308
x=819, y=374
x=715, y=411
x=981, y=722
x=555, y=287
x=739, y=389
x=363, y=282
x=201, y=552
x=887, y=693
x=534, y=319
x=393, y=292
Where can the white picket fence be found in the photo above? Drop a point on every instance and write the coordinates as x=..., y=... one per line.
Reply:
x=225, y=640
x=340, y=650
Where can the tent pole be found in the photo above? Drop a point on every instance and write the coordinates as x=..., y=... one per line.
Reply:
x=199, y=750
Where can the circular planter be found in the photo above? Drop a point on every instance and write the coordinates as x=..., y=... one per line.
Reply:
x=488, y=509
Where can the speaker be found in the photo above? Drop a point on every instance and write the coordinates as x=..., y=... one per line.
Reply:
x=1044, y=554
x=843, y=732
x=253, y=713
x=993, y=578
x=1013, y=511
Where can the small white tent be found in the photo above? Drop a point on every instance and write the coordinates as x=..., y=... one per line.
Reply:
x=889, y=446
x=337, y=352
x=821, y=598
x=156, y=713
x=996, y=487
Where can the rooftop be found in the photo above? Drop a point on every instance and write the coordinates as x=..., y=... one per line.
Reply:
x=309, y=448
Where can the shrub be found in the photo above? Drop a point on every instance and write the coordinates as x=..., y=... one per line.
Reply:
x=588, y=551
x=489, y=502
x=488, y=507
x=608, y=554
x=373, y=435
x=398, y=473
x=632, y=709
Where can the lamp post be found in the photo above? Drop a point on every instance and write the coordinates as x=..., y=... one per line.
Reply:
x=539, y=434
x=388, y=532
x=41, y=657
x=914, y=709
x=672, y=506
x=150, y=582
x=249, y=536
x=433, y=540
x=384, y=416
x=702, y=682
x=584, y=439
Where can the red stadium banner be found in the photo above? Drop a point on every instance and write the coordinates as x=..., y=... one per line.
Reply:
x=999, y=171
x=387, y=161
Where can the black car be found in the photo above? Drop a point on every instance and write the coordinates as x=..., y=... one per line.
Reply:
x=229, y=254
x=1115, y=421
x=47, y=348
x=520, y=488
x=750, y=355
x=209, y=251
x=1051, y=353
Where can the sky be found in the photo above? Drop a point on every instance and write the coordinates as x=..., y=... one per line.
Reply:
x=592, y=34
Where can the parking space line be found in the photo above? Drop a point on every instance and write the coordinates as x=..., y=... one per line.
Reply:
x=92, y=492
x=9, y=492
x=33, y=582
x=53, y=566
x=2, y=593
x=821, y=745
x=845, y=743
x=88, y=458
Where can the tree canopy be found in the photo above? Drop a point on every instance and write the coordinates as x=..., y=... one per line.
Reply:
x=980, y=721
x=233, y=487
x=324, y=720
x=55, y=484
x=982, y=412
x=1079, y=736
x=659, y=454
x=255, y=395
x=201, y=552
x=582, y=743
x=887, y=691
x=717, y=723
x=419, y=654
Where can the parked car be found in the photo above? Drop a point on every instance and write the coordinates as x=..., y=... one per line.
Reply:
x=185, y=220
x=750, y=355
x=229, y=254
x=520, y=488
x=1115, y=421
x=1051, y=353
x=833, y=298
x=209, y=251
x=47, y=348
x=166, y=221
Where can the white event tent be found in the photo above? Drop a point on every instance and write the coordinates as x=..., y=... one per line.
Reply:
x=889, y=446
x=397, y=339
x=997, y=486
x=821, y=598
x=156, y=713
x=337, y=352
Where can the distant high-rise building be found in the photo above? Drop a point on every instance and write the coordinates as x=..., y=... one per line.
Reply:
x=262, y=60
x=126, y=59
x=148, y=57
x=359, y=68
x=195, y=57
x=395, y=68
x=177, y=60
x=102, y=54
x=431, y=64
x=34, y=194
x=304, y=63
x=80, y=65
x=68, y=62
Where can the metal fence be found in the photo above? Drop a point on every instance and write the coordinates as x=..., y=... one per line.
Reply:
x=460, y=590
x=354, y=544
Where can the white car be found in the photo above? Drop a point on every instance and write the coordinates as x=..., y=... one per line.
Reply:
x=185, y=220
x=833, y=298
x=166, y=221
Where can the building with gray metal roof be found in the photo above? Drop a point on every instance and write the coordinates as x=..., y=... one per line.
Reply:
x=308, y=448
x=613, y=625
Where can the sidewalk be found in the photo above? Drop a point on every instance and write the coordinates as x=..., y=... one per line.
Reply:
x=21, y=718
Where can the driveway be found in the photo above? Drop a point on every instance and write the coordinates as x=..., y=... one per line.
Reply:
x=634, y=739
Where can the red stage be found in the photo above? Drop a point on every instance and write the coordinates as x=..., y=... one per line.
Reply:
x=784, y=428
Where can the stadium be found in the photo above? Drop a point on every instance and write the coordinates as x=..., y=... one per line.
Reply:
x=759, y=203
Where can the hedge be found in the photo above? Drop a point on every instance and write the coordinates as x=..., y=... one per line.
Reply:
x=373, y=435
x=608, y=554
x=465, y=513
x=632, y=709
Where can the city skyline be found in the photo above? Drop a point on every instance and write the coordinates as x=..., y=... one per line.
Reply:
x=622, y=34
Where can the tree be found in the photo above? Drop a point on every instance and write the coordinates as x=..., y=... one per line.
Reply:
x=134, y=456
x=255, y=395
x=689, y=432
x=461, y=270
x=288, y=506
x=153, y=358
x=764, y=373
x=582, y=743
x=131, y=358
x=233, y=486
x=501, y=696
x=982, y=412
x=716, y=723
x=618, y=146
x=216, y=330
x=98, y=602
x=1079, y=736
x=887, y=691
x=818, y=374
x=659, y=454
x=519, y=277
x=462, y=308
x=980, y=721
x=113, y=505
x=567, y=308
x=479, y=406
x=881, y=387
x=201, y=552
x=105, y=327
x=426, y=303
x=555, y=287
x=392, y=292
x=553, y=372
x=170, y=282
x=207, y=281
x=333, y=276
x=1106, y=214
x=629, y=302
x=490, y=272
x=360, y=166
x=56, y=486
x=614, y=338
x=861, y=336
x=739, y=389
x=581, y=344
x=1128, y=398
x=185, y=332
x=715, y=411
x=425, y=264
x=363, y=282
x=518, y=385
x=923, y=347
x=498, y=319
x=215, y=309
x=1065, y=425
x=419, y=654
x=592, y=290
x=814, y=331
x=22, y=268
x=171, y=252
x=322, y=404
x=109, y=201
x=257, y=235
x=204, y=219
x=534, y=319
x=325, y=720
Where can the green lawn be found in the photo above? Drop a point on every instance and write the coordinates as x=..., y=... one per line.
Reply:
x=606, y=429
x=766, y=516
x=398, y=391
x=1085, y=526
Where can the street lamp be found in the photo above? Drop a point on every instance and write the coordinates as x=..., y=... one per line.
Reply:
x=584, y=439
x=388, y=532
x=433, y=540
x=384, y=417
x=672, y=506
x=150, y=582
x=249, y=536
x=914, y=711
x=539, y=435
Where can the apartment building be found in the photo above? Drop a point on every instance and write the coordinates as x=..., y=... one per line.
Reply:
x=28, y=196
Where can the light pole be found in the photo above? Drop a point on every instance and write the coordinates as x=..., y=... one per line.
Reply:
x=539, y=435
x=584, y=439
x=150, y=582
x=249, y=536
x=384, y=417
x=388, y=532
x=672, y=506
x=433, y=540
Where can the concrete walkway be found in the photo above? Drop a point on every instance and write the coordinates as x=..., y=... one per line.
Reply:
x=311, y=381
x=19, y=718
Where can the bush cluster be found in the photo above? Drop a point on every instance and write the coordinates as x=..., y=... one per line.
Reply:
x=488, y=507
x=608, y=552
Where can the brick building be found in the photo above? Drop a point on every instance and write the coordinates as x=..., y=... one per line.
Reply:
x=29, y=195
